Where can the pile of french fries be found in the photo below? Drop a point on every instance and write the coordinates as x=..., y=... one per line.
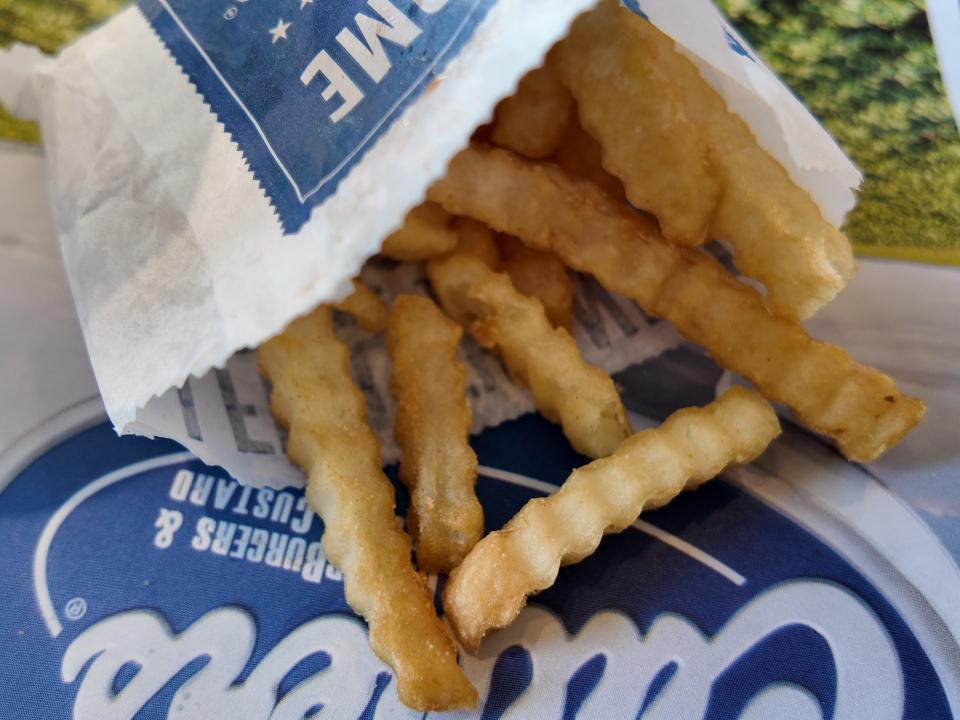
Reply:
x=615, y=159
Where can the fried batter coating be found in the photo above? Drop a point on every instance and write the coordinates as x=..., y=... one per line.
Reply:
x=532, y=120
x=580, y=156
x=315, y=397
x=425, y=233
x=477, y=240
x=579, y=397
x=636, y=111
x=668, y=135
x=364, y=305
x=432, y=429
x=859, y=407
x=541, y=275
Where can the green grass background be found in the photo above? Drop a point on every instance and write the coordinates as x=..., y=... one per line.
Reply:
x=49, y=25
x=866, y=68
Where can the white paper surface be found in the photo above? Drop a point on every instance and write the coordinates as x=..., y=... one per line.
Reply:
x=43, y=361
x=18, y=65
x=177, y=260
x=944, y=18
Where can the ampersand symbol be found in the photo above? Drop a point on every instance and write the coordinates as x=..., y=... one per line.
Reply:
x=168, y=521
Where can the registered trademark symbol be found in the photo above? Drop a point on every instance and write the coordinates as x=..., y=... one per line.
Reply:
x=75, y=608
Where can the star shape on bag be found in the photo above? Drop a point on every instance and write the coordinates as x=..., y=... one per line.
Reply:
x=280, y=31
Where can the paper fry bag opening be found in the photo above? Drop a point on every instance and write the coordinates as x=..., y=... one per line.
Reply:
x=218, y=172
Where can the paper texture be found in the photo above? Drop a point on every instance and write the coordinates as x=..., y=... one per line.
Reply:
x=18, y=65
x=944, y=18
x=174, y=239
x=43, y=361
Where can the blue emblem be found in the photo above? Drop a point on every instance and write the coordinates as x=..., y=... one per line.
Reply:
x=141, y=583
x=305, y=87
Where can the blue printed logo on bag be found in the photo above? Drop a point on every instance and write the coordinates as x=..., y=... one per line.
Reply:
x=305, y=87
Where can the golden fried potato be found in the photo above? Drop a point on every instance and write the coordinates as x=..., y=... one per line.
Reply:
x=581, y=398
x=777, y=231
x=579, y=156
x=532, y=120
x=329, y=438
x=425, y=233
x=541, y=275
x=432, y=429
x=365, y=306
x=859, y=407
x=477, y=240
x=647, y=471
x=635, y=110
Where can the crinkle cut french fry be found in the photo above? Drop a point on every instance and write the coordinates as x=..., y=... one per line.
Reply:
x=329, y=438
x=541, y=275
x=532, y=120
x=580, y=156
x=581, y=398
x=648, y=470
x=477, y=240
x=635, y=111
x=432, y=429
x=777, y=231
x=859, y=407
x=425, y=233
x=365, y=306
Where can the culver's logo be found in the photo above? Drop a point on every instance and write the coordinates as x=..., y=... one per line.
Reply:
x=632, y=663
x=143, y=584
